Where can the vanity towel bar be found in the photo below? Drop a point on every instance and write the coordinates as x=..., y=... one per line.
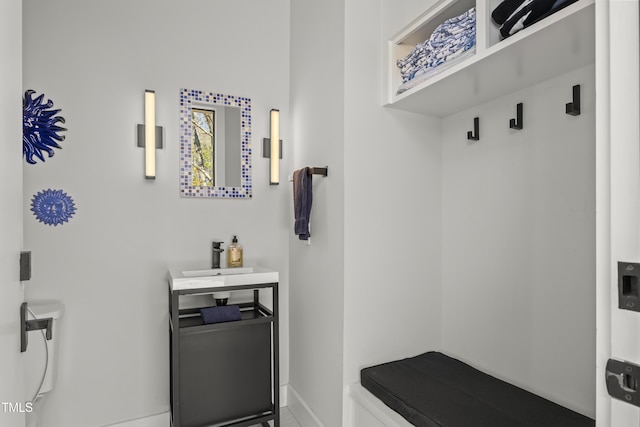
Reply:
x=318, y=171
x=314, y=171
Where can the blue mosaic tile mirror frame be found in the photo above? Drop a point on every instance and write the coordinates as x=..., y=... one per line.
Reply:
x=189, y=99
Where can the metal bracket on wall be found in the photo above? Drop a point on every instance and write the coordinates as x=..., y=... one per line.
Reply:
x=32, y=325
x=266, y=148
x=159, y=133
x=25, y=266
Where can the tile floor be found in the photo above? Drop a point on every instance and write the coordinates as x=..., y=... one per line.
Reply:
x=286, y=419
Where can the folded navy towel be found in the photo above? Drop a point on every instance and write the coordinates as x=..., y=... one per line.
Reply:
x=302, y=198
x=225, y=313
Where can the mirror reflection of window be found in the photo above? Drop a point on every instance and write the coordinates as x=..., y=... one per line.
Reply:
x=203, y=147
x=215, y=145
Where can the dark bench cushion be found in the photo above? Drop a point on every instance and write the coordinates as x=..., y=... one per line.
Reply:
x=435, y=390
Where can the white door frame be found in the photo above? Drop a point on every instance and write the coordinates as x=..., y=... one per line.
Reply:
x=617, y=194
x=12, y=399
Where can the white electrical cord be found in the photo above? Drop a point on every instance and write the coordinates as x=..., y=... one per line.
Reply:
x=46, y=361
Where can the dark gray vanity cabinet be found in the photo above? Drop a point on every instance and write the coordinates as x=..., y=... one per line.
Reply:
x=224, y=374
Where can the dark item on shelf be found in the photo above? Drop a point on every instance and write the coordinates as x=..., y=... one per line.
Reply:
x=514, y=15
x=558, y=5
x=504, y=10
x=221, y=314
x=435, y=390
x=530, y=11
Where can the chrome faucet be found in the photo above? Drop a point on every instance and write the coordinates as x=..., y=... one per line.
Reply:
x=217, y=250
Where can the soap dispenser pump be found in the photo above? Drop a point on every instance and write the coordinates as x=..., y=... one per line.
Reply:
x=234, y=255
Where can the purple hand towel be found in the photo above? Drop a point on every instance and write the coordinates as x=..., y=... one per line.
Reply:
x=225, y=313
x=302, y=197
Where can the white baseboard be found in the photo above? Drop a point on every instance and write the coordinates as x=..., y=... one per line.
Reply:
x=283, y=395
x=158, y=420
x=369, y=411
x=163, y=420
x=301, y=411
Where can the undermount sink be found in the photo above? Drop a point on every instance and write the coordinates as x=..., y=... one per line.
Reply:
x=182, y=278
x=217, y=272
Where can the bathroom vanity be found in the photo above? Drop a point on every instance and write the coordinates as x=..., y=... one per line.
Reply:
x=224, y=374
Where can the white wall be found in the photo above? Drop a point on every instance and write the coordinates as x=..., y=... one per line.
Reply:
x=375, y=219
x=392, y=208
x=11, y=295
x=317, y=270
x=519, y=241
x=397, y=14
x=108, y=265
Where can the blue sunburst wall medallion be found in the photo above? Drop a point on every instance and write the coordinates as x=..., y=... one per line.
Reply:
x=52, y=207
x=40, y=130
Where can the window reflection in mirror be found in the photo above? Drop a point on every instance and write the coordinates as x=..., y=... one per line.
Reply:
x=203, y=147
x=215, y=145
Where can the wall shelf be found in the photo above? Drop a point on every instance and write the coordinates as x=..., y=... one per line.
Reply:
x=191, y=320
x=560, y=43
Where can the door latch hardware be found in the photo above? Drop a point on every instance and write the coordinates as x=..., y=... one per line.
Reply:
x=623, y=381
x=629, y=286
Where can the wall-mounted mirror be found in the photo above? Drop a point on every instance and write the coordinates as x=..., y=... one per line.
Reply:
x=215, y=145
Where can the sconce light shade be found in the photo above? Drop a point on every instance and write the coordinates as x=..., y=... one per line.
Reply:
x=149, y=135
x=272, y=148
x=275, y=147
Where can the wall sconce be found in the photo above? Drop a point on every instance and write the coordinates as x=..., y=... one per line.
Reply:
x=272, y=148
x=149, y=135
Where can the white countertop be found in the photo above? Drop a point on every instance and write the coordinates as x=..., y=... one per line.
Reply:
x=209, y=278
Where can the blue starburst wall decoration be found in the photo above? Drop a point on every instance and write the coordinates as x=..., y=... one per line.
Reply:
x=53, y=207
x=40, y=130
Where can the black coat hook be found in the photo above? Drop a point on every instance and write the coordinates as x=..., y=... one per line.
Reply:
x=517, y=122
x=476, y=130
x=573, y=108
